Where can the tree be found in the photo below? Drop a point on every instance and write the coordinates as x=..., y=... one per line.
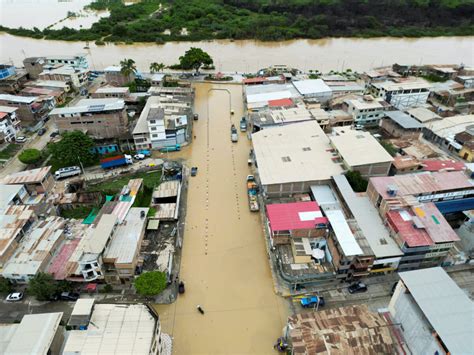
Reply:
x=357, y=182
x=42, y=286
x=128, y=68
x=30, y=156
x=73, y=149
x=150, y=283
x=156, y=67
x=5, y=286
x=194, y=58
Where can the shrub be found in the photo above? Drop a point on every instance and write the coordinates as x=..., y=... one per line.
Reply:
x=30, y=156
x=358, y=183
x=150, y=283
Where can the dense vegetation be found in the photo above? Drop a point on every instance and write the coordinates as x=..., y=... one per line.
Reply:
x=150, y=283
x=269, y=20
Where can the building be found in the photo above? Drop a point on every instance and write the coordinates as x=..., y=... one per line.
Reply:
x=436, y=316
x=39, y=334
x=467, y=151
x=35, y=250
x=343, y=330
x=466, y=80
x=292, y=158
x=257, y=97
x=366, y=111
x=30, y=109
x=114, y=76
x=50, y=84
x=76, y=77
x=313, y=89
x=58, y=95
x=121, y=257
x=78, y=61
x=402, y=93
x=340, y=88
x=111, y=91
x=403, y=164
x=165, y=199
x=443, y=132
x=34, y=66
x=279, y=117
x=36, y=181
x=423, y=115
x=360, y=151
x=9, y=123
x=11, y=80
x=118, y=329
x=451, y=94
x=6, y=71
x=434, y=165
x=400, y=125
x=99, y=118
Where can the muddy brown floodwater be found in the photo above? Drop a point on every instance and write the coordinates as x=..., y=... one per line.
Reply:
x=224, y=260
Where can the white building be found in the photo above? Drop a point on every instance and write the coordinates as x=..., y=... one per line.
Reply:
x=435, y=315
x=78, y=61
x=402, y=94
x=9, y=123
x=75, y=76
x=366, y=111
x=119, y=329
x=314, y=89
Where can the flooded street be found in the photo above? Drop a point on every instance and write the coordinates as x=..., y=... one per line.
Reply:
x=250, y=56
x=224, y=260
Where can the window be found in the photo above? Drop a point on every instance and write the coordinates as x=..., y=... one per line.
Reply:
x=152, y=121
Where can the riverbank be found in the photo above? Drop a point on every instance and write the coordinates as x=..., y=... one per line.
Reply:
x=249, y=56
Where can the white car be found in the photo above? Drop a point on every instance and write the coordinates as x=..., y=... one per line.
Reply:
x=14, y=297
x=20, y=139
x=139, y=156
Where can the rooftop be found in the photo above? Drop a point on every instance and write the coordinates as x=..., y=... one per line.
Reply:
x=446, y=307
x=343, y=233
x=91, y=105
x=344, y=330
x=49, y=83
x=403, y=120
x=112, y=90
x=125, y=242
x=293, y=153
x=311, y=86
x=264, y=93
x=294, y=216
x=442, y=165
x=450, y=126
x=369, y=220
x=358, y=147
x=152, y=109
x=18, y=99
x=8, y=109
x=95, y=242
x=280, y=103
x=7, y=193
x=402, y=84
x=422, y=114
x=114, y=329
x=27, y=176
x=83, y=306
x=401, y=162
x=416, y=184
x=282, y=116
x=34, y=334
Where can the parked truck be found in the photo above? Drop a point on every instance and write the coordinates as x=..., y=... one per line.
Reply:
x=252, y=191
x=116, y=161
x=171, y=148
x=243, y=125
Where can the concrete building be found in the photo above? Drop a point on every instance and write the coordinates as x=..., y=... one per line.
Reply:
x=400, y=125
x=99, y=118
x=9, y=123
x=292, y=158
x=122, y=254
x=257, y=97
x=119, y=329
x=76, y=77
x=279, y=117
x=34, y=66
x=50, y=84
x=110, y=91
x=36, y=181
x=344, y=330
x=313, y=89
x=436, y=316
x=58, y=95
x=345, y=88
x=360, y=151
x=30, y=109
x=423, y=115
x=366, y=111
x=78, y=61
x=404, y=164
x=402, y=93
x=443, y=132
x=39, y=334
x=114, y=76
x=11, y=79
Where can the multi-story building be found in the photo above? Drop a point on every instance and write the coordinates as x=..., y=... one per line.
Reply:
x=9, y=123
x=58, y=95
x=78, y=61
x=100, y=118
x=31, y=110
x=402, y=93
x=366, y=111
x=114, y=76
x=76, y=77
x=34, y=66
x=50, y=84
x=110, y=91
x=443, y=132
x=36, y=181
x=11, y=79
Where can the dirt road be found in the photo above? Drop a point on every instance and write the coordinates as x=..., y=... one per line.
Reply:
x=224, y=262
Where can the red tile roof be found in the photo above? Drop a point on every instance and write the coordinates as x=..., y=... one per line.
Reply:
x=296, y=215
x=437, y=165
x=280, y=103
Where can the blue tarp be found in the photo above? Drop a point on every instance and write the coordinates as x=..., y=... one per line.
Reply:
x=452, y=206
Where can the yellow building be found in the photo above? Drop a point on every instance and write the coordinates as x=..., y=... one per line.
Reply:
x=467, y=151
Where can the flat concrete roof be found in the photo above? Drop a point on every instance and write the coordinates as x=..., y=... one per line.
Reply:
x=446, y=307
x=369, y=221
x=34, y=334
x=294, y=153
x=311, y=86
x=422, y=114
x=91, y=105
x=358, y=147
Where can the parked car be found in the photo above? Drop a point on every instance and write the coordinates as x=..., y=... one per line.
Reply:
x=196, y=117
x=139, y=156
x=14, y=297
x=41, y=131
x=357, y=287
x=20, y=139
x=69, y=296
x=312, y=301
x=194, y=171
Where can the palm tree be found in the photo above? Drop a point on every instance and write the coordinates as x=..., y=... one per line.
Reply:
x=128, y=67
x=156, y=67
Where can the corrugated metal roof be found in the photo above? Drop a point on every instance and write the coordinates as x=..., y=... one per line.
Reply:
x=447, y=308
x=293, y=216
x=27, y=176
x=343, y=233
x=403, y=120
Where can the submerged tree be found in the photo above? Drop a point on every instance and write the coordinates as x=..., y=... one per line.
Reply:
x=195, y=58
